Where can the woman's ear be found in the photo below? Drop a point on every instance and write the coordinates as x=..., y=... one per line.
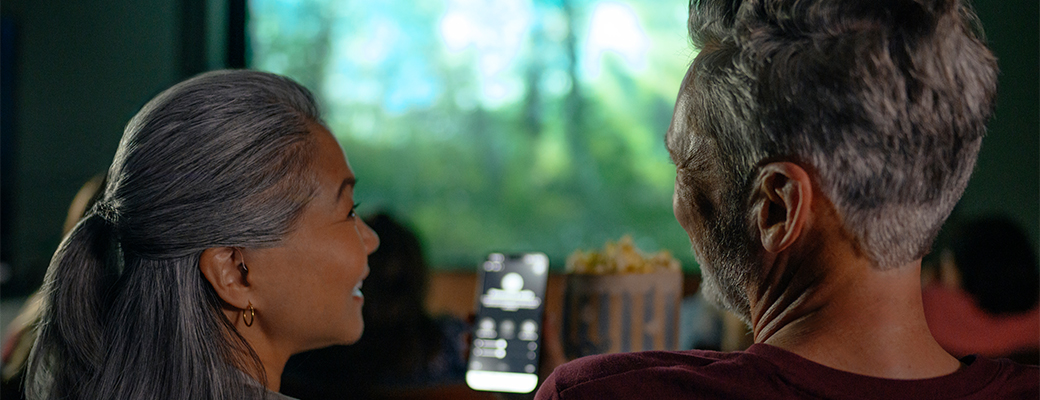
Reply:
x=224, y=269
x=784, y=197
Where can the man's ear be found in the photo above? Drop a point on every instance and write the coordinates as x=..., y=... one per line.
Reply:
x=784, y=196
x=224, y=269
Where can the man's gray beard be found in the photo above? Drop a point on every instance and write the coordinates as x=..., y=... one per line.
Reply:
x=726, y=289
x=727, y=266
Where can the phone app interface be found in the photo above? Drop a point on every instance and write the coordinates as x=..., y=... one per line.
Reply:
x=509, y=321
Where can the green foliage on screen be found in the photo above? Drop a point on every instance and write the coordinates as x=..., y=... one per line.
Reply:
x=494, y=125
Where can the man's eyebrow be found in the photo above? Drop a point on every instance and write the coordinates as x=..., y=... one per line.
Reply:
x=348, y=182
x=668, y=139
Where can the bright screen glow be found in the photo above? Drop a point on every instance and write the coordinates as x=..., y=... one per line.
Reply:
x=496, y=125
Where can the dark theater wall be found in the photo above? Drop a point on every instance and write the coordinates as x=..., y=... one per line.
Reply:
x=1007, y=177
x=82, y=68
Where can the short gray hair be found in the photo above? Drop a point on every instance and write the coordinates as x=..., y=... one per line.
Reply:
x=222, y=159
x=885, y=102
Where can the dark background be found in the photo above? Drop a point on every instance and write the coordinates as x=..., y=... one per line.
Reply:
x=74, y=72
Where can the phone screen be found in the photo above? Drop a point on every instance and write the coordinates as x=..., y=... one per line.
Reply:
x=506, y=333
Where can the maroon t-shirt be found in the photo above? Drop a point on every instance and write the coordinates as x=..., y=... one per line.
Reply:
x=768, y=372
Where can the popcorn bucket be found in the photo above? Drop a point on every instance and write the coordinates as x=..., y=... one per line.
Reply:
x=624, y=312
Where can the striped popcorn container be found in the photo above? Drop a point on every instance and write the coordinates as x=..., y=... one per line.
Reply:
x=613, y=313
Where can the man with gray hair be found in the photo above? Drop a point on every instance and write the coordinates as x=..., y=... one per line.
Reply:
x=819, y=146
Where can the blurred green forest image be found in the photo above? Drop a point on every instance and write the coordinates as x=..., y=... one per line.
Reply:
x=496, y=125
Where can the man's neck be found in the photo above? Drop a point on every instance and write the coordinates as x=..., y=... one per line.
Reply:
x=847, y=315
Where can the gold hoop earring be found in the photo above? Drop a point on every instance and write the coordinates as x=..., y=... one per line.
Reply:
x=252, y=315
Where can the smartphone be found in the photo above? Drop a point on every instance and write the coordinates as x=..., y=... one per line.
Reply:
x=507, y=330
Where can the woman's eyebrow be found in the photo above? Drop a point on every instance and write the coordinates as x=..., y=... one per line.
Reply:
x=348, y=182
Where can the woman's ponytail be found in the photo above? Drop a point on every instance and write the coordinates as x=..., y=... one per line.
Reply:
x=77, y=288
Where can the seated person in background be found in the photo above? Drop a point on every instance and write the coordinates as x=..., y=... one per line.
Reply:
x=819, y=146
x=985, y=298
x=403, y=348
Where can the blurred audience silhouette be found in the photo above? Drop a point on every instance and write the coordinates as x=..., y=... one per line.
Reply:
x=983, y=298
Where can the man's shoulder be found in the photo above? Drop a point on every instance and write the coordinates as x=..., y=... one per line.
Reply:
x=666, y=374
x=1011, y=379
x=768, y=372
x=609, y=365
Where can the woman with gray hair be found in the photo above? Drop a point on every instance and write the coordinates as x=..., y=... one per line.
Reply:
x=225, y=241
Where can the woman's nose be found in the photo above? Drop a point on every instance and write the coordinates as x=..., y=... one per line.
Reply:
x=370, y=238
